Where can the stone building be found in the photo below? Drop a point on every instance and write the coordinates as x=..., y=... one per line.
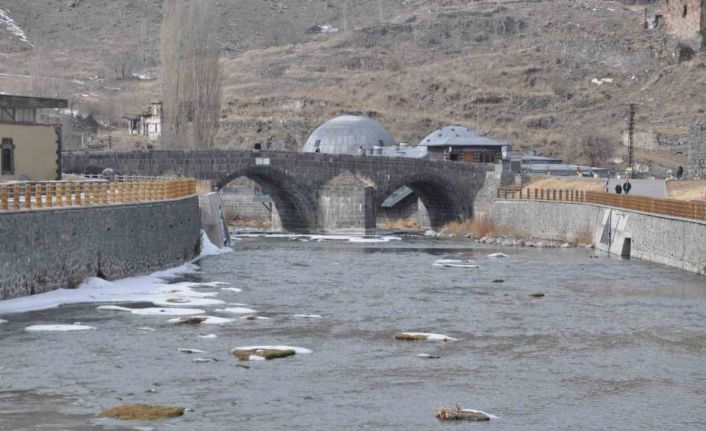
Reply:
x=464, y=144
x=685, y=19
x=697, y=152
x=148, y=123
x=29, y=150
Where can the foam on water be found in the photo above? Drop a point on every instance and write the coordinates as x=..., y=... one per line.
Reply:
x=236, y=310
x=296, y=349
x=208, y=336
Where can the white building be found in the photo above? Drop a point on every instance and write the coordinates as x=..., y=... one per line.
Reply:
x=147, y=124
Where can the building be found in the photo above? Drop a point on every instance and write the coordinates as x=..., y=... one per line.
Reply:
x=29, y=150
x=464, y=144
x=147, y=124
x=685, y=19
x=349, y=134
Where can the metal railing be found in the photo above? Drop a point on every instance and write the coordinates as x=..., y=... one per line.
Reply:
x=28, y=195
x=670, y=207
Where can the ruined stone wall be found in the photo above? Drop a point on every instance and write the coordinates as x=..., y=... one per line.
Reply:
x=697, y=152
x=44, y=250
x=684, y=18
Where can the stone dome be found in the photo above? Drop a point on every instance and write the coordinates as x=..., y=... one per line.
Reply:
x=347, y=134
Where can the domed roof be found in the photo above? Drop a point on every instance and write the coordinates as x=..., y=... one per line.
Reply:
x=458, y=136
x=347, y=134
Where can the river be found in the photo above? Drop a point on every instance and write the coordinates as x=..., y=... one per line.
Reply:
x=613, y=345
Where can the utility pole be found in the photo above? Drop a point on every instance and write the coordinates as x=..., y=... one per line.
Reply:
x=631, y=137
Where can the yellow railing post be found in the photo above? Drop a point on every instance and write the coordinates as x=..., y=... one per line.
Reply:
x=3, y=197
x=38, y=195
x=28, y=196
x=16, y=196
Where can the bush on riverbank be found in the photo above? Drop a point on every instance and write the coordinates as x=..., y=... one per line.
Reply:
x=142, y=412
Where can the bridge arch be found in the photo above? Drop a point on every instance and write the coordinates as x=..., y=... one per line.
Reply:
x=295, y=202
x=444, y=200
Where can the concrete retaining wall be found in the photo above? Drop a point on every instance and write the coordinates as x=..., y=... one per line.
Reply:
x=45, y=250
x=676, y=242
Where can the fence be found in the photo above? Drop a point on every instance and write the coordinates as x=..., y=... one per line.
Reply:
x=29, y=195
x=671, y=207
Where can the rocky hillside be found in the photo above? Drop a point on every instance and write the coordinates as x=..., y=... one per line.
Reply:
x=539, y=74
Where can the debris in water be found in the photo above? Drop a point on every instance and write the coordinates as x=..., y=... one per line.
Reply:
x=247, y=367
x=151, y=390
x=498, y=281
x=208, y=336
x=251, y=317
x=456, y=413
x=142, y=412
x=190, y=350
x=428, y=356
x=189, y=320
x=422, y=336
x=537, y=295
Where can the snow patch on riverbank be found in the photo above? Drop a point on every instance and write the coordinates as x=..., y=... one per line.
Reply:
x=151, y=288
x=12, y=27
x=320, y=238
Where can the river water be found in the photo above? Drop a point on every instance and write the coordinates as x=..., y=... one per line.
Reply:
x=614, y=345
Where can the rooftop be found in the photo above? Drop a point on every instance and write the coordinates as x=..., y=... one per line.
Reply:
x=24, y=102
x=459, y=136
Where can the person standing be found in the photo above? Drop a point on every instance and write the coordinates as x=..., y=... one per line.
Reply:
x=618, y=189
x=680, y=172
x=627, y=187
x=607, y=182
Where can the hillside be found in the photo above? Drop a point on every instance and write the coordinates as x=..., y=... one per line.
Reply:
x=522, y=71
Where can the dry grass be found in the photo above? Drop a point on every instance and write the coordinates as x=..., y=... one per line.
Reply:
x=142, y=412
x=687, y=190
x=568, y=183
x=584, y=236
x=402, y=336
x=251, y=223
x=478, y=228
x=400, y=224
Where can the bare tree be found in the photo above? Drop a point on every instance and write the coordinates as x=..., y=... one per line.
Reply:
x=593, y=149
x=43, y=82
x=191, y=76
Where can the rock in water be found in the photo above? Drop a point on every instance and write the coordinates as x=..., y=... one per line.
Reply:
x=456, y=413
x=422, y=336
x=142, y=412
x=246, y=355
x=191, y=320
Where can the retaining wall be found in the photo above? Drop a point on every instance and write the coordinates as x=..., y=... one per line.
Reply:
x=672, y=241
x=45, y=250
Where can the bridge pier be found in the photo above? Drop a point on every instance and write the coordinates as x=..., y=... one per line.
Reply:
x=347, y=205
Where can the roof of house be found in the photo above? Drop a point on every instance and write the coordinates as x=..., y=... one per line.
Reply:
x=13, y=101
x=459, y=136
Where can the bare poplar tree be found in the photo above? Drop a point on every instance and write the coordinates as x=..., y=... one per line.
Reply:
x=191, y=76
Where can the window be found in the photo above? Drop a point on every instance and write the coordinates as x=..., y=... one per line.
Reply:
x=7, y=153
x=24, y=115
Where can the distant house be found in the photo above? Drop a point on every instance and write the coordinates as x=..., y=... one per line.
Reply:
x=464, y=144
x=29, y=150
x=147, y=124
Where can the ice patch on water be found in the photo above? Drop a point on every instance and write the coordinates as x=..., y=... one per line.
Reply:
x=301, y=237
x=454, y=263
x=231, y=289
x=430, y=336
x=236, y=310
x=308, y=316
x=296, y=349
x=210, y=249
x=58, y=328
x=208, y=336
x=113, y=308
x=481, y=412
x=2, y=321
x=498, y=255
x=190, y=351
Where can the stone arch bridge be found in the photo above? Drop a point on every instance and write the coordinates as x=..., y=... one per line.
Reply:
x=313, y=192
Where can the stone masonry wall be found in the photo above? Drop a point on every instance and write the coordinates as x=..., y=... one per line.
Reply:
x=45, y=250
x=675, y=242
